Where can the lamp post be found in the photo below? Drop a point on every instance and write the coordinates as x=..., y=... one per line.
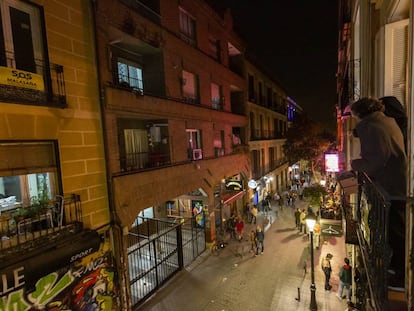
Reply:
x=310, y=222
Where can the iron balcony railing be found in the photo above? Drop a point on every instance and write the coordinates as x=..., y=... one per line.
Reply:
x=28, y=225
x=372, y=217
x=258, y=134
x=53, y=94
x=143, y=160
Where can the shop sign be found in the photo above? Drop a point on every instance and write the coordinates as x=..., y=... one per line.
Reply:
x=21, y=78
x=235, y=185
x=331, y=162
x=252, y=184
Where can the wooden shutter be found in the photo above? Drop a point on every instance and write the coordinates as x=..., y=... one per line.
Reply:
x=396, y=60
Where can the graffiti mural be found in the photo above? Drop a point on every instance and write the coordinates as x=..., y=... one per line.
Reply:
x=87, y=284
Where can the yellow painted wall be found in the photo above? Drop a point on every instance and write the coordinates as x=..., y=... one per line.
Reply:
x=77, y=128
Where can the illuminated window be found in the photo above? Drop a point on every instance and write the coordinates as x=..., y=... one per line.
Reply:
x=130, y=74
x=190, y=86
x=216, y=96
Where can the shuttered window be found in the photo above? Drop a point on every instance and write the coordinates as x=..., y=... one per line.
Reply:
x=20, y=158
x=396, y=60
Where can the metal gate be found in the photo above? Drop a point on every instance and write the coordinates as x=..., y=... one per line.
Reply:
x=158, y=249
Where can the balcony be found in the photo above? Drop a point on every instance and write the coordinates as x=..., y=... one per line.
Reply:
x=367, y=227
x=46, y=87
x=258, y=134
x=144, y=160
x=26, y=227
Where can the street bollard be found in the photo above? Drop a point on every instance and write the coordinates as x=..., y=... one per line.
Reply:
x=298, y=298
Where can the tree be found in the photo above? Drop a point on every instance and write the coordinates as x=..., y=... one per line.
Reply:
x=314, y=194
x=307, y=141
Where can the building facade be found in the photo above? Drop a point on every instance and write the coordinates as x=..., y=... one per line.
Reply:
x=267, y=104
x=54, y=216
x=172, y=85
x=374, y=59
x=127, y=140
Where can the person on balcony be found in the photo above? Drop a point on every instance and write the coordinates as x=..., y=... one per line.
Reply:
x=383, y=159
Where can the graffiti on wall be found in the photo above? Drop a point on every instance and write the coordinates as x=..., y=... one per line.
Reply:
x=87, y=284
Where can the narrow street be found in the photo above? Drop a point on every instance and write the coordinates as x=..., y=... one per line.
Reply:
x=236, y=280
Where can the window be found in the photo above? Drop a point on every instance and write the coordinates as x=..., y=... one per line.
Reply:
x=214, y=48
x=194, y=138
x=251, y=93
x=194, y=144
x=28, y=173
x=219, y=143
x=21, y=36
x=216, y=96
x=129, y=75
x=190, y=86
x=136, y=148
x=261, y=97
x=23, y=60
x=187, y=27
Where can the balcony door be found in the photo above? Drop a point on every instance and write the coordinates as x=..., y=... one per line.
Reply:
x=20, y=39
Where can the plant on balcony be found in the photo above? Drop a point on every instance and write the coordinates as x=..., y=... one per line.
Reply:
x=38, y=205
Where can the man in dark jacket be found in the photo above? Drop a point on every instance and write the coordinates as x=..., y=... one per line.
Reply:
x=259, y=240
x=384, y=160
x=345, y=280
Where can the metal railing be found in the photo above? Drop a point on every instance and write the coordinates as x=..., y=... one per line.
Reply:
x=158, y=249
x=18, y=229
x=257, y=134
x=144, y=160
x=372, y=218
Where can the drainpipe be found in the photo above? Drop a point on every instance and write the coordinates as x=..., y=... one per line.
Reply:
x=116, y=230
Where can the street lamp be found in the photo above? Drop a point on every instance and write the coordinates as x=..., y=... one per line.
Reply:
x=310, y=222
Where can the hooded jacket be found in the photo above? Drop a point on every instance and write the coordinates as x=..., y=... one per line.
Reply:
x=394, y=109
x=345, y=274
x=383, y=156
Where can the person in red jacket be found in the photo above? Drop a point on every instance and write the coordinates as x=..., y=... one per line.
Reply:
x=239, y=229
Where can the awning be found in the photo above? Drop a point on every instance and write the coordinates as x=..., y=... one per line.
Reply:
x=231, y=196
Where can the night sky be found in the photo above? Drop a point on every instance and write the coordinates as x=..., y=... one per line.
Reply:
x=296, y=40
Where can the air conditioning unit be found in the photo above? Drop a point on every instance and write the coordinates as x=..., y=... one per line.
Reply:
x=197, y=154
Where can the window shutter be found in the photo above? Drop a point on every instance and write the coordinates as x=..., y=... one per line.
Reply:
x=396, y=60
x=27, y=158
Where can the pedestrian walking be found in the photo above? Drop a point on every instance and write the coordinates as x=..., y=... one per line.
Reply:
x=345, y=280
x=253, y=241
x=297, y=218
x=317, y=235
x=277, y=198
x=254, y=214
x=239, y=229
x=259, y=240
x=300, y=192
x=231, y=226
x=302, y=219
x=327, y=270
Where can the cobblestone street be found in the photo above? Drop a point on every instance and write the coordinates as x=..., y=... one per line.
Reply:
x=237, y=280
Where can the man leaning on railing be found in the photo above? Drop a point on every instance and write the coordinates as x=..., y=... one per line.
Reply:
x=384, y=160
